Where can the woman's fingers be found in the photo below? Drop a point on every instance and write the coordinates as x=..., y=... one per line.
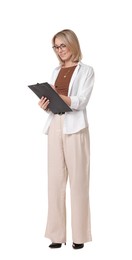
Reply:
x=43, y=103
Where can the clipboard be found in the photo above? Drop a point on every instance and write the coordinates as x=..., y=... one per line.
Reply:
x=56, y=105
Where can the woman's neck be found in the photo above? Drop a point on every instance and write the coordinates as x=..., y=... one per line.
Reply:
x=69, y=64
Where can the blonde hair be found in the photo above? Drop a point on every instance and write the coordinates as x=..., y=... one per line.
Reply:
x=71, y=41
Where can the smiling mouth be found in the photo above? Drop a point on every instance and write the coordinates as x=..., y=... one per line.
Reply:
x=62, y=55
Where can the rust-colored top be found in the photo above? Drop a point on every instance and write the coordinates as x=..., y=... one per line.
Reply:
x=63, y=80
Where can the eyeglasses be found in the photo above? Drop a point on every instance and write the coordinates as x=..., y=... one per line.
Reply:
x=61, y=47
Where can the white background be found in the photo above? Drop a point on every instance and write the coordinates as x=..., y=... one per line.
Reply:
x=104, y=30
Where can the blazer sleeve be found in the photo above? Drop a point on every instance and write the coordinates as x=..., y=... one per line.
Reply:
x=80, y=101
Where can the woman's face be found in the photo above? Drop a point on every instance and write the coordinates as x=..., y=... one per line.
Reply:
x=62, y=51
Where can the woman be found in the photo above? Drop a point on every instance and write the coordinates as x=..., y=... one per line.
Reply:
x=68, y=144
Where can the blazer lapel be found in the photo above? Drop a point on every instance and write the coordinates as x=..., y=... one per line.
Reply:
x=73, y=78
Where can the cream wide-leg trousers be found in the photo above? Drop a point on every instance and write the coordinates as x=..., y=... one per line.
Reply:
x=68, y=156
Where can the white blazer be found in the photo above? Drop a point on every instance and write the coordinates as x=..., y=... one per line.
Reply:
x=80, y=88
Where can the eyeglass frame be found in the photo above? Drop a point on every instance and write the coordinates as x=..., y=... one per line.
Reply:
x=62, y=47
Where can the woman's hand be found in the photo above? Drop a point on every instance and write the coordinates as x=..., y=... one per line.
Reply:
x=54, y=87
x=66, y=99
x=43, y=103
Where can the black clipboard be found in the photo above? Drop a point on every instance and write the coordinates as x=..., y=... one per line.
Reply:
x=56, y=105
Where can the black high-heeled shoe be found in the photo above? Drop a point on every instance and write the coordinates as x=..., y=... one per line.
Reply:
x=77, y=246
x=56, y=245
